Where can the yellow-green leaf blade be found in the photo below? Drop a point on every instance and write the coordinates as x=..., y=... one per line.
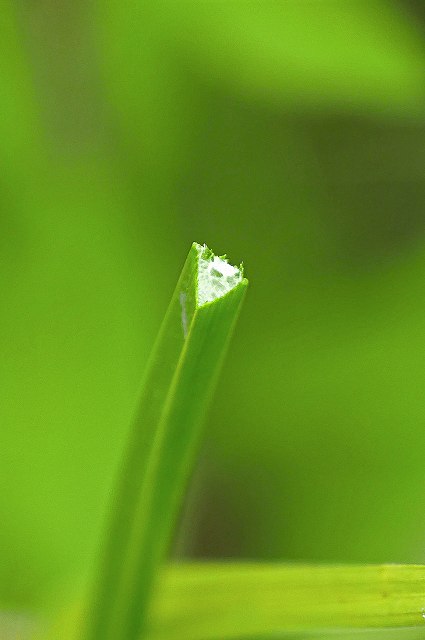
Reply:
x=220, y=601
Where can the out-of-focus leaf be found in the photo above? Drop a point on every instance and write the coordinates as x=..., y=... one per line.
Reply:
x=72, y=342
x=157, y=58
x=329, y=55
x=149, y=96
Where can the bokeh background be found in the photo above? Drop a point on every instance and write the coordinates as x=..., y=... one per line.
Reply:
x=289, y=134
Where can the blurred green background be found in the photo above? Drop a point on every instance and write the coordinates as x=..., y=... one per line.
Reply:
x=289, y=134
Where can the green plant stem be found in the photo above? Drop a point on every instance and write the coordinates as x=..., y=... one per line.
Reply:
x=180, y=377
x=228, y=601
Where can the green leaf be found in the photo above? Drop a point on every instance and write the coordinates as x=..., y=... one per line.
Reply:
x=218, y=601
x=178, y=384
x=363, y=55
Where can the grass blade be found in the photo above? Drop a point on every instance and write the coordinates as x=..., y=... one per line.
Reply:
x=228, y=601
x=179, y=380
